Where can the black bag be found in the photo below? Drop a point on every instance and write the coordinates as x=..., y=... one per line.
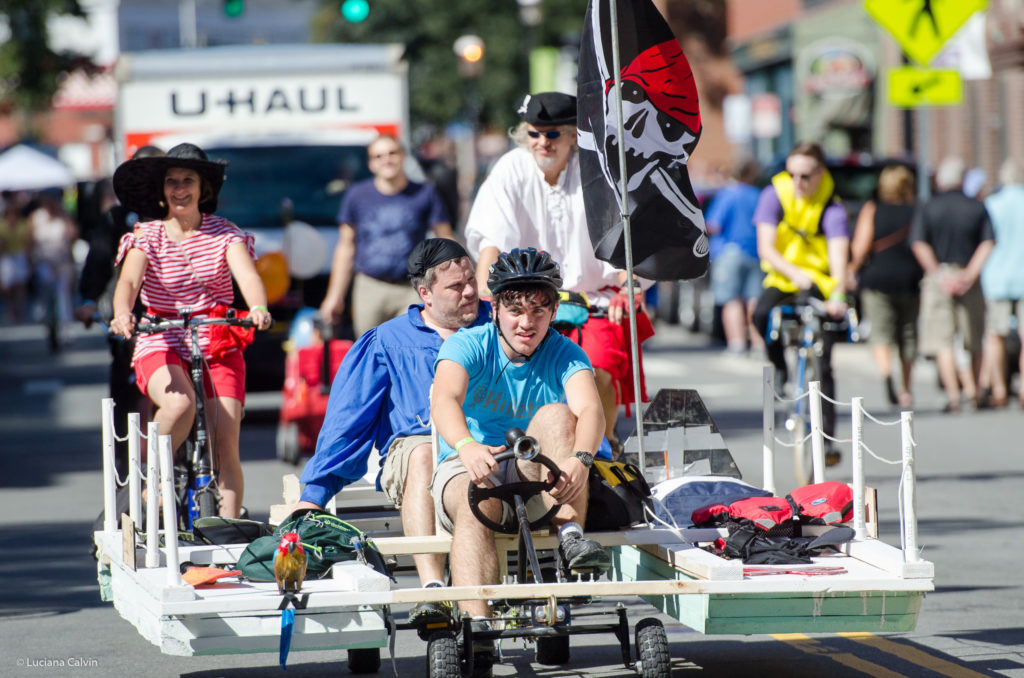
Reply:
x=219, y=530
x=619, y=495
x=754, y=547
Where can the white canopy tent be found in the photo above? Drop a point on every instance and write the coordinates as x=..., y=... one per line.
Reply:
x=26, y=169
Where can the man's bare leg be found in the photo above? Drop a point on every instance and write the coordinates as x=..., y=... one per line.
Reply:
x=554, y=427
x=474, y=559
x=418, y=512
x=609, y=403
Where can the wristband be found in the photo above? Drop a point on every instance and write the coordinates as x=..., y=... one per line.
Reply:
x=259, y=308
x=462, y=443
x=837, y=296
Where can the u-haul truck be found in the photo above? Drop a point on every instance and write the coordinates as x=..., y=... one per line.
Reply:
x=293, y=121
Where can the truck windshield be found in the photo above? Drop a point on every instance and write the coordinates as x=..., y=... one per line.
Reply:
x=267, y=186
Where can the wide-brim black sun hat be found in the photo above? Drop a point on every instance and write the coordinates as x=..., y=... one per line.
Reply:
x=139, y=182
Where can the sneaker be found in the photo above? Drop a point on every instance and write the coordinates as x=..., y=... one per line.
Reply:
x=580, y=553
x=429, y=617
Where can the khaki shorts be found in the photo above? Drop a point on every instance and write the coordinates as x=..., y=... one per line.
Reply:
x=999, y=313
x=506, y=473
x=396, y=466
x=944, y=317
x=893, y=319
x=376, y=301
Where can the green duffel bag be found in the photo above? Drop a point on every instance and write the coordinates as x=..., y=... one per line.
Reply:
x=326, y=538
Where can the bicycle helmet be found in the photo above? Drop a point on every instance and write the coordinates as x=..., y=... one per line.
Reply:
x=527, y=266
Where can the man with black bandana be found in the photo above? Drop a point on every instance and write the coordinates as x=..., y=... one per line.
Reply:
x=380, y=397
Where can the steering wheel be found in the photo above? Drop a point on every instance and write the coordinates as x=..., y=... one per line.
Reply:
x=506, y=492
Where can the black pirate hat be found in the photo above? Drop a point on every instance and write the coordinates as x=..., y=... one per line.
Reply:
x=548, y=108
x=139, y=182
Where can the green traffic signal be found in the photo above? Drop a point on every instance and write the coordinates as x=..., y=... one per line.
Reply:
x=355, y=11
x=234, y=8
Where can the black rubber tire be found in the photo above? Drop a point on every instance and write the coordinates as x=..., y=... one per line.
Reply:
x=443, y=656
x=288, y=443
x=207, y=504
x=553, y=651
x=364, y=660
x=652, y=649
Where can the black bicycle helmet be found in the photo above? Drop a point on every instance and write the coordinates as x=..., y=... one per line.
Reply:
x=526, y=266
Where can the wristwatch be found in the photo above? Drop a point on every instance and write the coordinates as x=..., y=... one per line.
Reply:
x=586, y=458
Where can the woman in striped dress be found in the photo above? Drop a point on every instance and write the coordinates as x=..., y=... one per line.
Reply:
x=187, y=259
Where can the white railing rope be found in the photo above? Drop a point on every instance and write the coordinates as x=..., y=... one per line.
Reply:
x=906, y=503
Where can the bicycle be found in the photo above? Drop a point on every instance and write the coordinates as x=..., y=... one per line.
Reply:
x=801, y=326
x=195, y=472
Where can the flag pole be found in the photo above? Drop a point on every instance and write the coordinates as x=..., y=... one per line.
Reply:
x=628, y=235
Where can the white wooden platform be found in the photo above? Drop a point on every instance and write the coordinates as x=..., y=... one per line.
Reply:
x=235, y=617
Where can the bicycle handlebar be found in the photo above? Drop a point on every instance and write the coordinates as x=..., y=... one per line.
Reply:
x=156, y=324
x=805, y=308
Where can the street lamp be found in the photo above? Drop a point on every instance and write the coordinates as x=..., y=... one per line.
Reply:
x=470, y=50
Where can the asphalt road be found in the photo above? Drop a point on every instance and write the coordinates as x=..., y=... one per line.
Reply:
x=969, y=468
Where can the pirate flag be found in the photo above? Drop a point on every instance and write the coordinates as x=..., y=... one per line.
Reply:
x=661, y=120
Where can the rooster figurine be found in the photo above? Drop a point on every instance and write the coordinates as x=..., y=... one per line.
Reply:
x=290, y=564
x=289, y=572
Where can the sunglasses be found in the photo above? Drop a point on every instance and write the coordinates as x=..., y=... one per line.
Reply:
x=806, y=177
x=551, y=134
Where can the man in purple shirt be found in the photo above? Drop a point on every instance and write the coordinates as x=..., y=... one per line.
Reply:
x=381, y=219
x=804, y=244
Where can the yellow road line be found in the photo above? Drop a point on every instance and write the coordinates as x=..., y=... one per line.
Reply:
x=914, y=655
x=811, y=646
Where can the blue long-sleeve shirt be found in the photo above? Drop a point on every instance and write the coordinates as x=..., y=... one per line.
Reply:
x=381, y=392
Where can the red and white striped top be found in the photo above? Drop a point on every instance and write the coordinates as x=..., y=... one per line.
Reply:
x=193, y=273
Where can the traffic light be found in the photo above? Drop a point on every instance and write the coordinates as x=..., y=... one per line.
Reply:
x=470, y=50
x=355, y=11
x=234, y=8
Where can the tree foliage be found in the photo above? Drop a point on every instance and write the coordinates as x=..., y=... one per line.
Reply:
x=429, y=28
x=30, y=71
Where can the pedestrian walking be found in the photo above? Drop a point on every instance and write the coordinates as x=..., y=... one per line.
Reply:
x=888, y=276
x=1002, y=281
x=952, y=238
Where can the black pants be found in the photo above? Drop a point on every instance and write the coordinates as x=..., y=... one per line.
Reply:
x=772, y=297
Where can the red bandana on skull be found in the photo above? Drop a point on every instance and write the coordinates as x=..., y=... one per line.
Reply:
x=665, y=75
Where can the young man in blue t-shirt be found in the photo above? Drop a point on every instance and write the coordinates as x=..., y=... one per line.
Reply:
x=516, y=371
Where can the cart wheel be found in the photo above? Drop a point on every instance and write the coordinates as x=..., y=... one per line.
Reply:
x=652, y=649
x=288, y=443
x=443, y=656
x=364, y=660
x=553, y=651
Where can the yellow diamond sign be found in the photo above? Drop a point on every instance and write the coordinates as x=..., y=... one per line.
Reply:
x=922, y=27
x=910, y=87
